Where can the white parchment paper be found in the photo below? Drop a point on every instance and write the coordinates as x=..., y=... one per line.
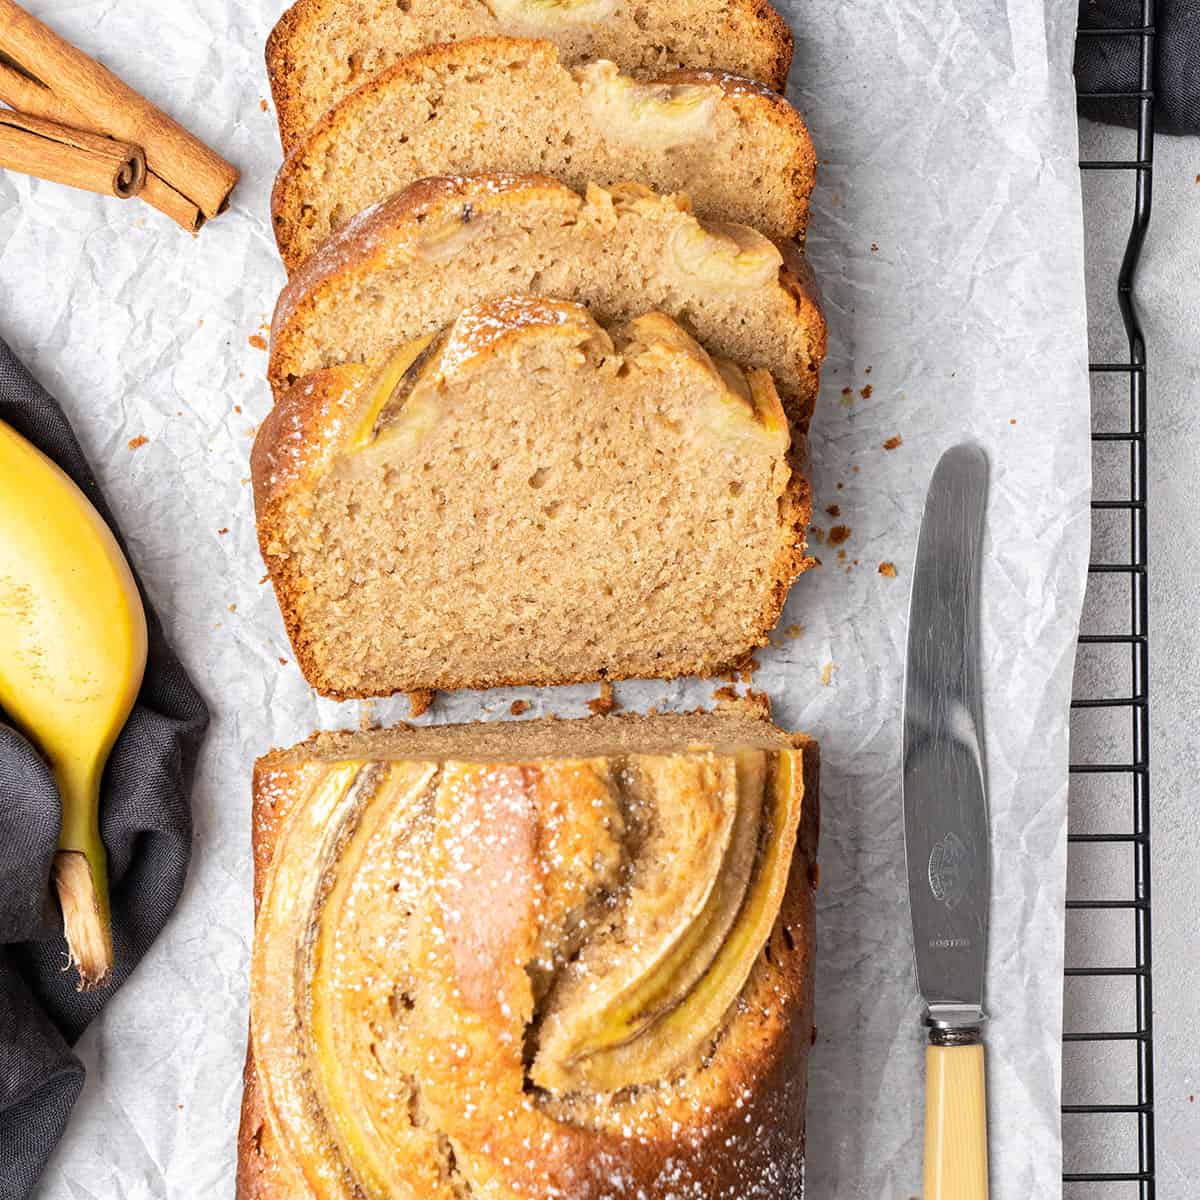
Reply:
x=947, y=236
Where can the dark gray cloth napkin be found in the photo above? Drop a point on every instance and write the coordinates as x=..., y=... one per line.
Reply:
x=1111, y=63
x=146, y=824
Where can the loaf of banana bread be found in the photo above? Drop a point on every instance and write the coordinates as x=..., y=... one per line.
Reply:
x=554, y=960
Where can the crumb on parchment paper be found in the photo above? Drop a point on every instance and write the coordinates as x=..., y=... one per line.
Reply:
x=827, y=674
x=257, y=341
x=865, y=391
x=894, y=442
x=780, y=637
x=839, y=534
x=136, y=443
x=834, y=510
x=887, y=570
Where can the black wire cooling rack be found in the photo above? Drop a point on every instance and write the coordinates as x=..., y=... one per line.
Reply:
x=1109, y=1146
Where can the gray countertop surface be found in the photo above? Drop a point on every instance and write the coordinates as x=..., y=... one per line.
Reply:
x=1168, y=299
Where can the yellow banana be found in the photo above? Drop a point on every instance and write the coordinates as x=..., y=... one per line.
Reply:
x=72, y=654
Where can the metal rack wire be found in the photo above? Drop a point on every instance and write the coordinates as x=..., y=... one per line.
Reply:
x=1099, y=1158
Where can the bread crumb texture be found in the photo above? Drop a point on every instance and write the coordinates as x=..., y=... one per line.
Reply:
x=321, y=50
x=445, y=524
x=509, y=105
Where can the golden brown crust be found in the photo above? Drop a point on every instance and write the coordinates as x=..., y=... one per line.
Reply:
x=299, y=435
x=261, y=1173
x=752, y=1148
x=778, y=34
x=260, y=1170
x=758, y=20
x=291, y=448
x=796, y=275
x=754, y=103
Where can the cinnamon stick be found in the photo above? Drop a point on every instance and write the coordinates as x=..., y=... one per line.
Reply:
x=110, y=106
x=32, y=97
x=161, y=195
x=71, y=156
x=28, y=96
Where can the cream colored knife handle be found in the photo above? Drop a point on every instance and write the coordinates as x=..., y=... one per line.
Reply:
x=956, y=1160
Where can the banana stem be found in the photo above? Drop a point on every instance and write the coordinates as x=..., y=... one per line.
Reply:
x=81, y=880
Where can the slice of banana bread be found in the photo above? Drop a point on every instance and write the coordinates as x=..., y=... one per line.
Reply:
x=529, y=498
x=321, y=50
x=509, y=105
x=408, y=266
x=560, y=960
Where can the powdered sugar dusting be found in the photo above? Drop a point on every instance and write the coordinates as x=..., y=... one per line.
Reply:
x=437, y=966
x=483, y=327
x=732, y=85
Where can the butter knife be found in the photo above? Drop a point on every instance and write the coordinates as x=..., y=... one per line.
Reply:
x=946, y=821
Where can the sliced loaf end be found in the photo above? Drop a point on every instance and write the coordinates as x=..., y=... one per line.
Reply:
x=674, y=853
x=732, y=724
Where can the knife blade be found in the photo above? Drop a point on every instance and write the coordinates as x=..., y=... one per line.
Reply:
x=946, y=819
